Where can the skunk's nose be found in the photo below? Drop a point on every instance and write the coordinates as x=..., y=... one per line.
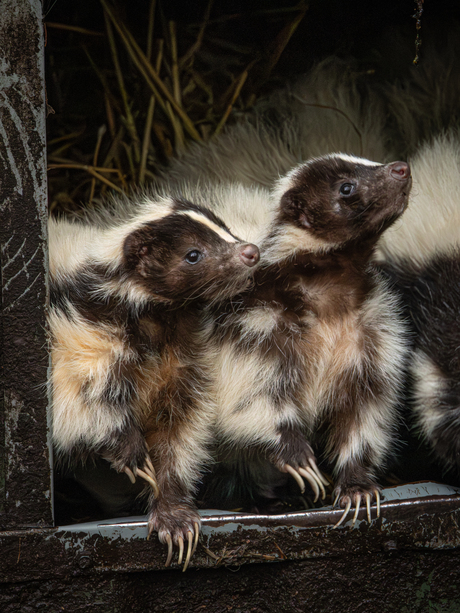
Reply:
x=250, y=254
x=399, y=170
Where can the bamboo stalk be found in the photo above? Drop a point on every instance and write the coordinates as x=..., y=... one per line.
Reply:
x=164, y=141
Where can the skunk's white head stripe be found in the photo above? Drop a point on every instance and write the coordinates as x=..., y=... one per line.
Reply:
x=210, y=224
x=353, y=159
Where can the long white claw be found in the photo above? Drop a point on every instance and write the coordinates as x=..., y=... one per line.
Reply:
x=147, y=470
x=197, y=534
x=322, y=478
x=170, y=550
x=189, y=550
x=344, y=514
x=181, y=550
x=130, y=474
x=312, y=480
x=148, y=478
x=377, y=498
x=319, y=482
x=335, y=500
x=148, y=461
x=358, y=504
x=296, y=476
x=368, y=506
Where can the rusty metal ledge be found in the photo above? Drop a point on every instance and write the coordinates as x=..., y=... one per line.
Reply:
x=421, y=516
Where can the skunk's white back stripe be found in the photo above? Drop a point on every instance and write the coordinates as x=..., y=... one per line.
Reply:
x=429, y=384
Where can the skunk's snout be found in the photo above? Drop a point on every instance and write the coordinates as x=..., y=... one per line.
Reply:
x=250, y=254
x=399, y=170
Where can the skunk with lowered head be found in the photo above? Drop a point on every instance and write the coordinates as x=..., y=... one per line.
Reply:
x=130, y=383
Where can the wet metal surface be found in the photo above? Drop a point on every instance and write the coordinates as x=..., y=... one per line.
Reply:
x=402, y=502
x=417, y=517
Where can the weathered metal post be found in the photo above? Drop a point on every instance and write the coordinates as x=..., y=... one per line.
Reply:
x=25, y=474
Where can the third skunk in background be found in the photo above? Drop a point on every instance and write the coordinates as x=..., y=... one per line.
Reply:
x=421, y=254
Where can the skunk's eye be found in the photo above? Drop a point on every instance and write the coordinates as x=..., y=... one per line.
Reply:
x=346, y=189
x=193, y=257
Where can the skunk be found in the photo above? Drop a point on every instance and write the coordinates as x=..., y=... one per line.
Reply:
x=312, y=354
x=421, y=255
x=128, y=331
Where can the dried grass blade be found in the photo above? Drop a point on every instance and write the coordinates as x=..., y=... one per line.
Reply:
x=178, y=133
x=104, y=180
x=92, y=172
x=63, y=26
x=130, y=123
x=236, y=93
x=148, y=51
x=113, y=150
x=174, y=64
x=146, y=140
x=197, y=44
x=100, y=135
x=150, y=75
x=285, y=36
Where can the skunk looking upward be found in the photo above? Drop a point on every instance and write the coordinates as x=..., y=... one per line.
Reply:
x=421, y=254
x=333, y=108
x=128, y=337
x=314, y=351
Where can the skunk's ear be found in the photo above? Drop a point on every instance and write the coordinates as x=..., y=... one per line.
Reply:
x=293, y=205
x=291, y=200
x=137, y=246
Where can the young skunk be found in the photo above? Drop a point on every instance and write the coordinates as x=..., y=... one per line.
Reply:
x=421, y=254
x=313, y=352
x=128, y=326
